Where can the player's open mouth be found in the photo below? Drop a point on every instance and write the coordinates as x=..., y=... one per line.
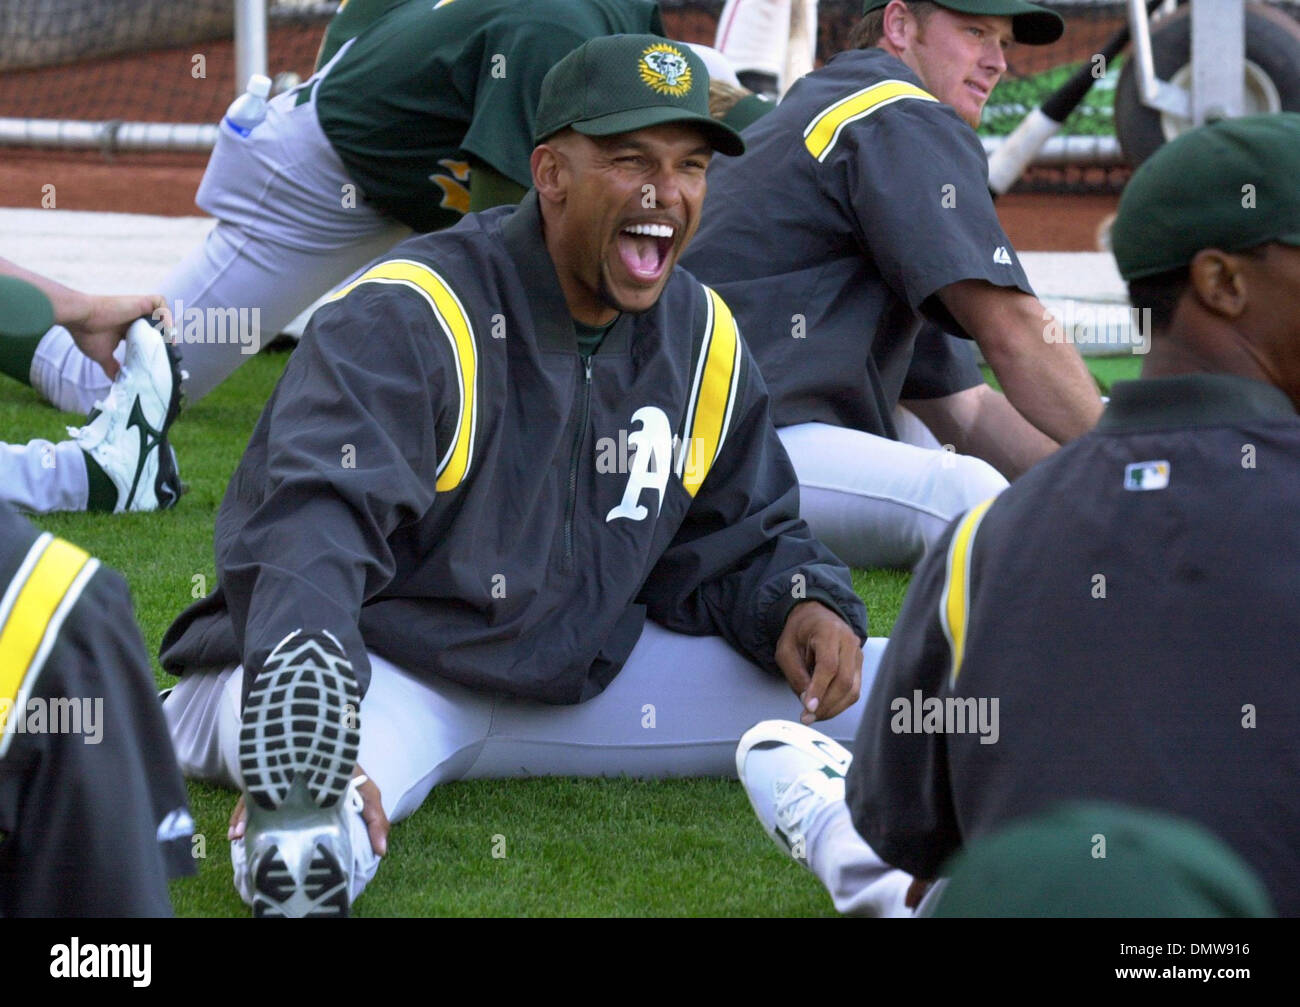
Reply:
x=644, y=249
x=983, y=92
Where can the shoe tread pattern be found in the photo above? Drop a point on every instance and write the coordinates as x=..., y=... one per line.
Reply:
x=300, y=720
x=324, y=892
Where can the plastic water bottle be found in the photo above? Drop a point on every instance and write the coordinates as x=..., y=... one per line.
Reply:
x=249, y=109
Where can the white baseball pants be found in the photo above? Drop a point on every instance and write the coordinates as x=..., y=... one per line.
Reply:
x=678, y=708
x=881, y=503
x=41, y=476
x=291, y=225
x=758, y=35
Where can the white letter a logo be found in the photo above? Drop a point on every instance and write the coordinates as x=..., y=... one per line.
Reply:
x=650, y=465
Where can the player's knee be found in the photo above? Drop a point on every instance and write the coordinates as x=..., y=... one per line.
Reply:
x=965, y=481
x=958, y=483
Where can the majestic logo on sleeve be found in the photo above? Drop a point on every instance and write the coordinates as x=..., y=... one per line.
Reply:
x=665, y=70
x=650, y=465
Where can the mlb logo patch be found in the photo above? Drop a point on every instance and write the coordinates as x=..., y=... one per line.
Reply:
x=1146, y=475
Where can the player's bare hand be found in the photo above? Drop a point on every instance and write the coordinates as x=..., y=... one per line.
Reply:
x=238, y=821
x=821, y=657
x=372, y=813
x=916, y=892
x=99, y=322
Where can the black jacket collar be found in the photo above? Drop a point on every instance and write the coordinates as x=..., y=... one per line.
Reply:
x=522, y=232
x=1192, y=400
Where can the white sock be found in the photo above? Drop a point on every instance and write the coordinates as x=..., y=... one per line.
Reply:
x=67, y=377
x=859, y=882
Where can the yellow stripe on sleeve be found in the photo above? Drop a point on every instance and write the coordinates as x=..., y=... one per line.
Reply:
x=824, y=130
x=46, y=585
x=711, y=415
x=954, y=604
x=455, y=323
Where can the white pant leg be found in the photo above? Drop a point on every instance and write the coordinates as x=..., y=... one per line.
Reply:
x=41, y=476
x=753, y=35
x=193, y=713
x=678, y=708
x=65, y=376
x=413, y=736
x=877, y=502
x=912, y=431
x=702, y=694
x=859, y=882
x=291, y=225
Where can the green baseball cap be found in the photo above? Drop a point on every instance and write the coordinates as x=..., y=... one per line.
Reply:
x=1231, y=185
x=24, y=310
x=621, y=83
x=1030, y=24
x=1097, y=859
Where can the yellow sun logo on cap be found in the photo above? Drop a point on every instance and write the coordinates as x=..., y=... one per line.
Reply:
x=664, y=68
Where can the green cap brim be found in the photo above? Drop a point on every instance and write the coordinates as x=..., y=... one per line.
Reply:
x=721, y=137
x=24, y=310
x=1030, y=24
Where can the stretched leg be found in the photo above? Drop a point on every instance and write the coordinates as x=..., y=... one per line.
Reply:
x=290, y=226
x=795, y=777
x=877, y=502
x=121, y=459
x=676, y=709
x=40, y=476
x=413, y=736
x=858, y=881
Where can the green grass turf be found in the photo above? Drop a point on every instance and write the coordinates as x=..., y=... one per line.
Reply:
x=1016, y=96
x=572, y=847
x=1106, y=370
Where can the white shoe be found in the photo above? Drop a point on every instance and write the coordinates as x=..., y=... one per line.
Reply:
x=331, y=862
x=791, y=773
x=297, y=751
x=126, y=433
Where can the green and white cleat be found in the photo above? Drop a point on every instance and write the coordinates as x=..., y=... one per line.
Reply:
x=791, y=773
x=126, y=433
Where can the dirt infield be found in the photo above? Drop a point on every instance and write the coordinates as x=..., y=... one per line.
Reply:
x=165, y=184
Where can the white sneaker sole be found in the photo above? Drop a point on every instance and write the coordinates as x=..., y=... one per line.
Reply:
x=298, y=747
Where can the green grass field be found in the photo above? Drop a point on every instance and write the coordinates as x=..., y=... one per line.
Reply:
x=1015, y=97
x=573, y=847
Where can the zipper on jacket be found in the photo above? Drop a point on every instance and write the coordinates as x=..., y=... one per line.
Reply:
x=578, y=438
